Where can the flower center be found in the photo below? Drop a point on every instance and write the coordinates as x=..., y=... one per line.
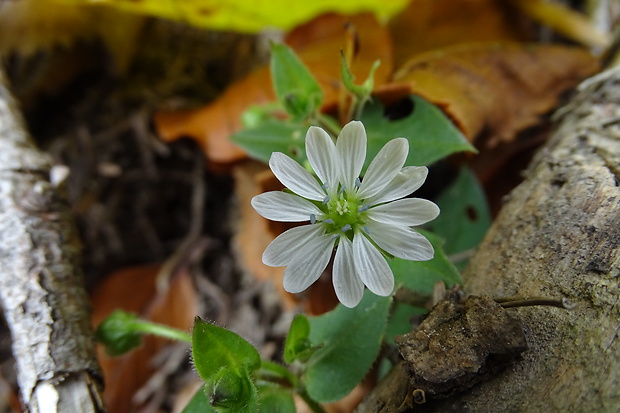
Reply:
x=343, y=214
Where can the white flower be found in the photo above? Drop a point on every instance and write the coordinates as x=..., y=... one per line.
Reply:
x=360, y=218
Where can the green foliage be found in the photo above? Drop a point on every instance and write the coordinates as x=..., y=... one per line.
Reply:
x=430, y=133
x=215, y=348
x=199, y=403
x=225, y=362
x=118, y=333
x=297, y=345
x=296, y=88
x=273, y=399
x=363, y=91
x=351, y=339
x=465, y=216
x=273, y=136
x=421, y=276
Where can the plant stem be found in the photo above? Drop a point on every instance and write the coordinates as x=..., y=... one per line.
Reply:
x=328, y=123
x=312, y=404
x=274, y=372
x=161, y=331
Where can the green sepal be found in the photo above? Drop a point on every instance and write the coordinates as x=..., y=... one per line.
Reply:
x=118, y=333
x=364, y=90
x=232, y=391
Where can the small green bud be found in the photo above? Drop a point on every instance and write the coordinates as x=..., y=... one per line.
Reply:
x=118, y=333
x=230, y=390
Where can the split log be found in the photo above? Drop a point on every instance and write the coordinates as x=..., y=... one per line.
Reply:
x=41, y=284
x=558, y=235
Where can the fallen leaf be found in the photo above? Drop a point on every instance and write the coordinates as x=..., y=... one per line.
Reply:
x=133, y=290
x=318, y=45
x=434, y=24
x=246, y=15
x=490, y=89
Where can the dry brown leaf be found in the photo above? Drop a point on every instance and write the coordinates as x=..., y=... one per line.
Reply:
x=318, y=44
x=434, y=24
x=494, y=89
x=133, y=290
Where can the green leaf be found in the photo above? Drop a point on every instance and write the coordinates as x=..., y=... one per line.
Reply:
x=273, y=136
x=118, y=333
x=351, y=339
x=296, y=88
x=421, y=276
x=430, y=133
x=400, y=319
x=199, y=403
x=465, y=216
x=297, y=345
x=215, y=348
x=273, y=399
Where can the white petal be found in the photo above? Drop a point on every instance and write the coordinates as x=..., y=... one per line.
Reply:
x=401, y=242
x=371, y=266
x=405, y=212
x=409, y=179
x=308, y=264
x=282, y=250
x=386, y=165
x=295, y=177
x=281, y=206
x=351, y=146
x=347, y=284
x=322, y=155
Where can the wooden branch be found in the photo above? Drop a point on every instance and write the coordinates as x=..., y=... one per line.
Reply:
x=41, y=283
x=557, y=236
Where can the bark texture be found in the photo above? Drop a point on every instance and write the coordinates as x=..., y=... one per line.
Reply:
x=558, y=235
x=41, y=284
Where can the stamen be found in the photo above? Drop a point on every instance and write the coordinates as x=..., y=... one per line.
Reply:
x=342, y=208
x=326, y=199
x=346, y=228
x=312, y=219
x=363, y=208
x=341, y=190
x=329, y=221
x=358, y=182
x=325, y=186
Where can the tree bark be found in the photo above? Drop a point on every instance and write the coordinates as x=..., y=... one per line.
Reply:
x=41, y=283
x=558, y=235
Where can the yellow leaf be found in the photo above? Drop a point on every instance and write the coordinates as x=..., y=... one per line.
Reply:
x=248, y=15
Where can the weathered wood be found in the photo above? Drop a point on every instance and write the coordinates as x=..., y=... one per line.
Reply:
x=41, y=285
x=558, y=235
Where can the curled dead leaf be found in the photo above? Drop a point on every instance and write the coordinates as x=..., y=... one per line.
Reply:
x=498, y=89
